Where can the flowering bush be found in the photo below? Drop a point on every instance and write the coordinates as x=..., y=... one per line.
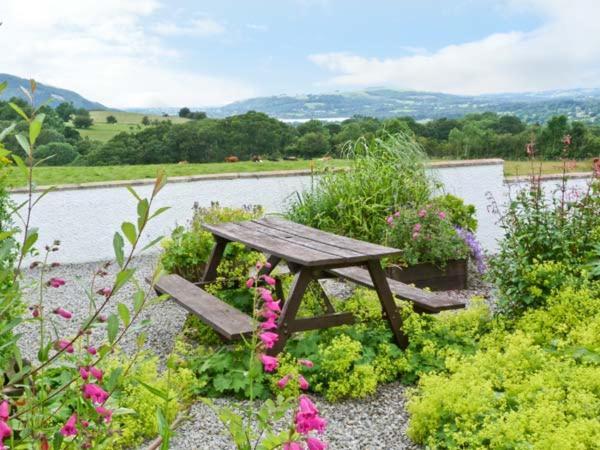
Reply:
x=425, y=235
x=562, y=227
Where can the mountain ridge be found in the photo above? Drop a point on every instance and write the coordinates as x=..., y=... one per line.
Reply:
x=45, y=92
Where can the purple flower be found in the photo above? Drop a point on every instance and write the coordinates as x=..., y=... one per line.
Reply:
x=474, y=247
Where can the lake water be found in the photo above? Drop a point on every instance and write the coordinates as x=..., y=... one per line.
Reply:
x=85, y=220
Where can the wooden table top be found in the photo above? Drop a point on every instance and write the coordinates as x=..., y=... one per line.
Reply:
x=298, y=243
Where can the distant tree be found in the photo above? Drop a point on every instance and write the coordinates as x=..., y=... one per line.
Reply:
x=197, y=115
x=65, y=111
x=313, y=144
x=83, y=121
x=59, y=154
x=184, y=112
x=145, y=121
x=71, y=134
x=508, y=125
x=111, y=119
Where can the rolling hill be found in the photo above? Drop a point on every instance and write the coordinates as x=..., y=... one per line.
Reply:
x=578, y=104
x=44, y=92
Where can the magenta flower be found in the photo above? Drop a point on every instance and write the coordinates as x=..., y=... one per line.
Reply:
x=269, y=324
x=269, y=280
x=104, y=291
x=250, y=282
x=84, y=372
x=94, y=393
x=269, y=315
x=273, y=306
x=69, y=428
x=5, y=431
x=270, y=363
x=4, y=411
x=63, y=313
x=306, y=362
x=422, y=213
x=35, y=310
x=266, y=295
x=417, y=228
x=442, y=215
x=307, y=417
x=106, y=413
x=56, y=282
x=96, y=373
x=303, y=383
x=268, y=338
x=397, y=214
x=65, y=345
x=315, y=444
x=283, y=382
x=292, y=446
x=389, y=220
x=91, y=350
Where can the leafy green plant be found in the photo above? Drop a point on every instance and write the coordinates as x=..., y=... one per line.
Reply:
x=385, y=175
x=531, y=384
x=457, y=212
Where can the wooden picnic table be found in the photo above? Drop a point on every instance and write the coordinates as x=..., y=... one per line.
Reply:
x=311, y=255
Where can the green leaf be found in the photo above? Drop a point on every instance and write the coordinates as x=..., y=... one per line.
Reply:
x=142, y=210
x=153, y=243
x=3, y=85
x=129, y=231
x=118, y=244
x=112, y=328
x=135, y=194
x=161, y=180
x=19, y=111
x=44, y=351
x=158, y=392
x=35, y=128
x=113, y=380
x=159, y=211
x=123, y=313
x=20, y=164
x=24, y=143
x=140, y=340
x=7, y=130
x=57, y=441
x=138, y=301
x=122, y=278
x=30, y=241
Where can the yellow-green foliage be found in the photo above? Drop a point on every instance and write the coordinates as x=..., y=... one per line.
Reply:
x=141, y=423
x=535, y=385
x=288, y=366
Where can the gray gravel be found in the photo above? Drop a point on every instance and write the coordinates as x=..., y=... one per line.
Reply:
x=378, y=422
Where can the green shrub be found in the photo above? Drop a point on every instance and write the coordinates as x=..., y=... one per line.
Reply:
x=188, y=248
x=386, y=174
x=535, y=384
x=543, y=242
x=457, y=212
x=58, y=154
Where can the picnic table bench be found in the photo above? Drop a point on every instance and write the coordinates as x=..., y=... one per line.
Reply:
x=311, y=255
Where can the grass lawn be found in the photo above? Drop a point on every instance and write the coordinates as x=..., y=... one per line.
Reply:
x=521, y=168
x=126, y=121
x=66, y=175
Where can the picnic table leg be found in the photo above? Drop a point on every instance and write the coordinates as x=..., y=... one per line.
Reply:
x=387, y=302
x=210, y=273
x=290, y=308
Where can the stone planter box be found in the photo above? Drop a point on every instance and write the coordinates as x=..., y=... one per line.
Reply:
x=452, y=277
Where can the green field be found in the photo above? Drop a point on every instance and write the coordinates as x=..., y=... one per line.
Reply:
x=44, y=176
x=126, y=121
x=73, y=175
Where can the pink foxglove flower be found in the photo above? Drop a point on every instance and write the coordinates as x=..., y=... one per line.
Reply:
x=442, y=215
x=63, y=313
x=266, y=295
x=96, y=373
x=4, y=411
x=269, y=315
x=417, y=228
x=307, y=417
x=84, y=372
x=269, y=339
x=65, y=345
x=283, y=382
x=69, y=428
x=397, y=214
x=250, y=283
x=269, y=280
x=315, y=444
x=389, y=220
x=104, y=291
x=94, y=393
x=269, y=324
x=305, y=363
x=292, y=446
x=106, y=413
x=91, y=350
x=5, y=431
x=302, y=382
x=422, y=213
x=273, y=306
x=56, y=282
x=269, y=362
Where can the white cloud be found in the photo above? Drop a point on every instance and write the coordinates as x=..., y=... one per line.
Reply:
x=104, y=51
x=564, y=52
x=197, y=27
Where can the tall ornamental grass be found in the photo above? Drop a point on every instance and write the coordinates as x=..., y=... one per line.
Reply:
x=386, y=173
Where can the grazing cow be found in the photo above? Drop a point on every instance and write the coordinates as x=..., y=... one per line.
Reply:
x=232, y=159
x=596, y=166
x=326, y=158
x=182, y=162
x=256, y=158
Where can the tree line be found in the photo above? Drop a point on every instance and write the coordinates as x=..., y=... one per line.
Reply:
x=254, y=134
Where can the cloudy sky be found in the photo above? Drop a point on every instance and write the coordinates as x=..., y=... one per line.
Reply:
x=142, y=53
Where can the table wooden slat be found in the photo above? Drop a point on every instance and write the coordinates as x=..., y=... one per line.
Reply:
x=365, y=248
x=301, y=240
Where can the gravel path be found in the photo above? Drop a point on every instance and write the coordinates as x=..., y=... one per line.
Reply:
x=378, y=422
